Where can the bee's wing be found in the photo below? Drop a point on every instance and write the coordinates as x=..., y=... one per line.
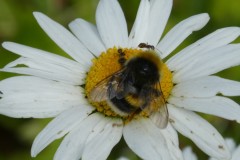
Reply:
x=156, y=107
x=160, y=118
x=116, y=86
x=108, y=88
x=100, y=91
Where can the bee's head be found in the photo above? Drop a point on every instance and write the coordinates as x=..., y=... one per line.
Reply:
x=143, y=70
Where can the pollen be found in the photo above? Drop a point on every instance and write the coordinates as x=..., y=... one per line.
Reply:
x=107, y=64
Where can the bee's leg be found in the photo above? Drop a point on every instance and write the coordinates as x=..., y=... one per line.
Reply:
x=137, y=111
x=121, y=60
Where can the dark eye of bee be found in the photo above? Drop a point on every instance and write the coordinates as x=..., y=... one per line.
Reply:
x=145, y=69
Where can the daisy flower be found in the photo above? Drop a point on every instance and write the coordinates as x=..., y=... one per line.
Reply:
x=54, y=86
x=188, y=154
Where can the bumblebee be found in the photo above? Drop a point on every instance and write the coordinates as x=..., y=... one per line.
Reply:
x=135, y=88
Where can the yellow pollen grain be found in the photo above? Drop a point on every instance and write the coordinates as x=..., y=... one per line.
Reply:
x=107, y=64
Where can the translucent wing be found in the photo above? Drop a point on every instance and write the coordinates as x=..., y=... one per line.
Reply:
x=117, y=87
x=110, y=87
x=155, y=106
x=160, y=118
x=100, y=91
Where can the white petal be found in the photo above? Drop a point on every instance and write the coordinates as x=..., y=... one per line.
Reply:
x=123, y=158
x=37, y=54
x=171, y=137
x=211, y=158
x=236, y=154
x=64, y=39
x=32, y=84
x=180, y=32
x=188, y=154
x=25, y=96
x=158, y=17
x=231, y=144
x=146, y=140
x=140, y=25
x=44, y=70
x=44, y=64
x=111, y=24
x=46, y=75
x=202, y=133
x=218, y=106
x=87, y=33
x=100, y=146
x=58, y=127
x=209, y=63
x=206, y=87
x=87, y=136
x=214, y=40
x=73, y=144
x=171, y=133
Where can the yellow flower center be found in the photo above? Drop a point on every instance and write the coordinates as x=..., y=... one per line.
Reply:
x=107, y=64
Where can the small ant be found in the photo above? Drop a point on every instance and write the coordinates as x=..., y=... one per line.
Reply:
x=145, y=45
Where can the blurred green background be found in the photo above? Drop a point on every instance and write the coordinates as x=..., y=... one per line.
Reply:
x=17, y=24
